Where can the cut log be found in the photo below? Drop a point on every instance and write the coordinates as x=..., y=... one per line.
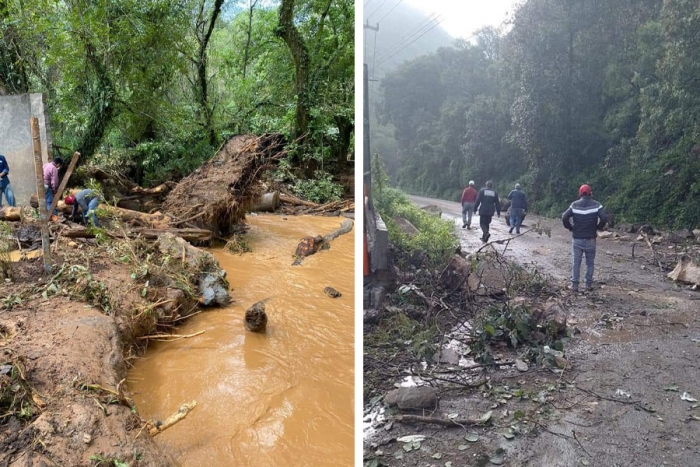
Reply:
x=687, y=270
x=267, y=202
x=10, y=214
x=191, y=235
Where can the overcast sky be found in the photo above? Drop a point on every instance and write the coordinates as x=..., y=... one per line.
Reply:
x=461, y=18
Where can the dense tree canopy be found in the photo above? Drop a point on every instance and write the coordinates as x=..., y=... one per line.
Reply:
x=604, y=92
x=159, y=84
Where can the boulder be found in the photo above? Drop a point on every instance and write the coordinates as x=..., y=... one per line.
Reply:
x=211, y=279
x=413, y=398
x=687, y=270
x=552, y=318
x=406, y=226
x=433, y=209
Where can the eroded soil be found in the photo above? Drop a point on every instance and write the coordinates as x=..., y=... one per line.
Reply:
x=618, y=401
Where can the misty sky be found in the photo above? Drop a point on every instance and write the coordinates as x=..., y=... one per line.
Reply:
x=461, y=18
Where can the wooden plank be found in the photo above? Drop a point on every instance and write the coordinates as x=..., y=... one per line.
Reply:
x=43, y=215
x=64, y=182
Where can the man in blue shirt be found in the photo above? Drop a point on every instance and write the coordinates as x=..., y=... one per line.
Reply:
x=5, y=187
x=517, y=208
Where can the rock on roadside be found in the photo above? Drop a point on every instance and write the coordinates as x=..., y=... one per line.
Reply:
x=413, y=398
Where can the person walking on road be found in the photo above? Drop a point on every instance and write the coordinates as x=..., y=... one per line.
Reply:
x=517, y=208
x=51, y=184
x=468, y=199
x=5, y=187
x=588, y=216
x=487, y=203
x=88, y=201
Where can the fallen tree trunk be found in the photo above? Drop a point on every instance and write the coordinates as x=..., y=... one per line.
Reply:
x=10, y=214
x=191, y=235
x=310, y=245
x=161, y=189
x=345, y=227
x=687, y=270
x=289, y=199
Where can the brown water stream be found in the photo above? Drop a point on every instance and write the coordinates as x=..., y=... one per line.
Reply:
x=284, y=398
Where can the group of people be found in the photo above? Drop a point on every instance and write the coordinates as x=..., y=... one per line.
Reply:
x=487, y=203
x=583, y=218
x=86, y=199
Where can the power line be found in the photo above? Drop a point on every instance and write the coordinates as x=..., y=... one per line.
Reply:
x=376, y=9
x=407, y=36
x=410, y=38
x=414, y=40
x=392, y=9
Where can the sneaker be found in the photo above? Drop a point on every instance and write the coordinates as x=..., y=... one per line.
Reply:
x=464, y=225
x=482, y=239
x=510, y=231
x=486, y=237
x=572, y=288
x=517, y=232
x=469, y=227
x=589, y=288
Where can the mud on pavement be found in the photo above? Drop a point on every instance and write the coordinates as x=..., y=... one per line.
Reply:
x=624, y=397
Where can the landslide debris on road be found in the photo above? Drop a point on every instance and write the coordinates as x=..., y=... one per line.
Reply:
x=216, y=195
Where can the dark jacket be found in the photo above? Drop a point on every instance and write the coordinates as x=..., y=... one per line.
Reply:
x=518, y=198
x=4, y=181
x=588, y=215
x=487, y=202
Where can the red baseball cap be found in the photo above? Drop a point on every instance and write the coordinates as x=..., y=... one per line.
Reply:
x=70, y=199
x=584, y=190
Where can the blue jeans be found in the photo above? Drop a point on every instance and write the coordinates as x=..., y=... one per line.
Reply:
x=89, y=209
x=49, y=200
x=467, y=212
x=516, y=218
x=583, y=246
x=9, y=195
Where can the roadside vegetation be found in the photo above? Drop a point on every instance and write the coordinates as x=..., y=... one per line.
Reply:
x=572, y=93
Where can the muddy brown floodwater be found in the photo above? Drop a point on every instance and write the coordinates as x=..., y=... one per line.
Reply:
x=284, y=398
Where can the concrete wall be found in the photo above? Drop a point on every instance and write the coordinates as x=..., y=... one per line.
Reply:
x=16, y=141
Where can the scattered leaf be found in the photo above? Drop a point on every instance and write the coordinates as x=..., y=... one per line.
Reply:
x=408, y=447
x=486, y=417
x=472, y=437
x=672, y=387
x=463, y=447
x=497, y=460
x=508, y=435
x=437, y=455
x=448, y=464
x=687, y=397
x=410, y=438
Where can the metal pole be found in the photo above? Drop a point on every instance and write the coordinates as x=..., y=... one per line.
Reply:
x=367, y=171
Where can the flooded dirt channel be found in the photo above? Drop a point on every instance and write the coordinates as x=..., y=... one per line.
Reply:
x=284, y=398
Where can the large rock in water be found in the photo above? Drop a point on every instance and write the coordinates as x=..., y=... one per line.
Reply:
x=211, y=280
x=217, y=195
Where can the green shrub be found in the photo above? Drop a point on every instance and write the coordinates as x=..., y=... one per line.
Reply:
x=320, y=189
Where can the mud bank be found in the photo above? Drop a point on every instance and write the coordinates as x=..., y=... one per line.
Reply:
x=66, y=341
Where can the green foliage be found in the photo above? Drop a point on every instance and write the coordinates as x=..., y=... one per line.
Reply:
x=603, y=93
x=435, y=236
x=134, y=81
x=320, y=189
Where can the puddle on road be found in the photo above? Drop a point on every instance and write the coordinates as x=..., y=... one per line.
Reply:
x=280, y=398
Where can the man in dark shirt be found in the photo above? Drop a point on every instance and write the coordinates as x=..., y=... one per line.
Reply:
x=5, y=187
x=588, y=217
x=517, y=208
x=487, y=203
